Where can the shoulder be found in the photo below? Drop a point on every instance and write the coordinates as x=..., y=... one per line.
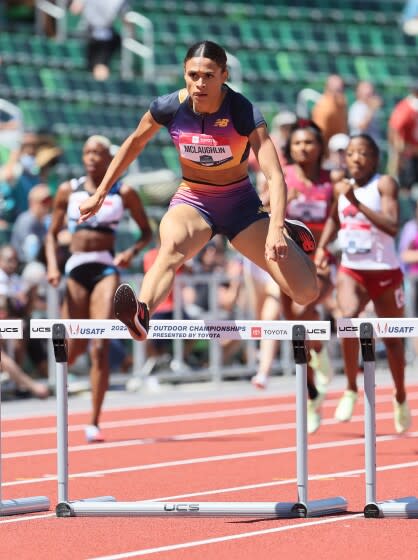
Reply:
x=164, y=107
x=387, y=185
x=246, y=116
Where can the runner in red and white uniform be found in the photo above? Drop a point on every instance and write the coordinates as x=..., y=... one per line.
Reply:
x=367, y=220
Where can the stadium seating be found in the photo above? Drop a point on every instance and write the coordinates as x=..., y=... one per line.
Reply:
x=281, y=49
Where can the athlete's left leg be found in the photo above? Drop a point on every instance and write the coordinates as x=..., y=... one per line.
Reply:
x=295, y=275
x=101, y=307
x=390, y=304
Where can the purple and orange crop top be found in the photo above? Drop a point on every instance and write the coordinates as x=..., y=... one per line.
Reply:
x=209, y=144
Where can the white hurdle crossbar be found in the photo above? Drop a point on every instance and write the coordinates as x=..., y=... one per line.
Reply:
x=12, y=329
x=367, y=331
x=59, y=330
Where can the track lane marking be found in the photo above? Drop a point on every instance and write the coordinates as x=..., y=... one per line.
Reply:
x=214, y=458
x=237, y=536
x=283, y=426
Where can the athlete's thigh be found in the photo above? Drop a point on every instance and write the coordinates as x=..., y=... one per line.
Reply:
x=75, y=306
x=76, y=301
x=101, y=298
x=390, y=303
x=183, y=230
x=352, y=297
x=251, y=242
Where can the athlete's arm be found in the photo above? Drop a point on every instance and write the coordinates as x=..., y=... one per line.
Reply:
x=129, y=150
x=387, y=219
x=268, y=160
x=265, y=152
x=51, y=240
x=133, y=203
x=328, y=234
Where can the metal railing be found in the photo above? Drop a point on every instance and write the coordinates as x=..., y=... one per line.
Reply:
x=58, y=11
x=131, y=46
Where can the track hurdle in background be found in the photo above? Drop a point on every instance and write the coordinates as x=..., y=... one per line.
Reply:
x=367, y=332
x=59, y=330
x=12, y=329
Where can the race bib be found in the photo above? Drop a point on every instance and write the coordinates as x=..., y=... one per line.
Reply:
x=204, y=149
x=355, y=239
x=313, y=211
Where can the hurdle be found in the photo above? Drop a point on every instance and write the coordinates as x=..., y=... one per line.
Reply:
x=12, y=329
x=59, y=330
x=367, y=332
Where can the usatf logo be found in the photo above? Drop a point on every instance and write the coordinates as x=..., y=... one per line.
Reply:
x=74, y=330
x=255, y=332
x=382, y=329
x=221, y=123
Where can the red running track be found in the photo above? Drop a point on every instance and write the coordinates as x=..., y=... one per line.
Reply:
x=225, y=450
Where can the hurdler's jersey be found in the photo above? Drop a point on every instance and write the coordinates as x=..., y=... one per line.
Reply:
x=312, y=202
x=209, y=144
x=363, y=245
x=106, y=219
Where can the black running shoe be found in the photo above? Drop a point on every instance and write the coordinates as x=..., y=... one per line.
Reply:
x=133, y=313
x=301, y=235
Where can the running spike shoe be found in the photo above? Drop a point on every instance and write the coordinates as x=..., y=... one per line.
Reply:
x=301, y=235
x=133, y=313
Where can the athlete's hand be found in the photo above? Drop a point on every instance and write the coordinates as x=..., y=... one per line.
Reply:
x=321, y=258
x=346, y=187
x=276, y=245
x=123, y=259
x=53, y=276
x=90, y=207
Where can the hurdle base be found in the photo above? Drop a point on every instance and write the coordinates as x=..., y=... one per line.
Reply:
x=401, y=508
x=262, y=510
x=24, y=505
x=65, y=509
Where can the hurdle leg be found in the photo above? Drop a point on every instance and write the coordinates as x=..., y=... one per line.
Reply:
x=20, y=505
x=304, y=507
x=61, y=379
x=401, y=507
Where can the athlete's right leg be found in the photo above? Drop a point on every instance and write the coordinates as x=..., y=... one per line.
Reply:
x=270, y=311
x=183, y=232
x=75, y=306
x=352, y=298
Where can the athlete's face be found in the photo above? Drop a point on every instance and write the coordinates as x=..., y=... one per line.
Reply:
x=204, y=80
x=96, y=159
x=361, y=160
x=304, y=147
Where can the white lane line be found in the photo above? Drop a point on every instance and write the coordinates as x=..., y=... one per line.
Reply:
x=186, y=437
x=191, y=417
x=211, y=458
x=237, y=536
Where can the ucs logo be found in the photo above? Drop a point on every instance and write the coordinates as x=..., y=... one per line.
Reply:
x=181, y=507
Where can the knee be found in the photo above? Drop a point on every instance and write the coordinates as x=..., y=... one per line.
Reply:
x=170, y=255
x=99, y=350
x=347, y=310
x=308, y=295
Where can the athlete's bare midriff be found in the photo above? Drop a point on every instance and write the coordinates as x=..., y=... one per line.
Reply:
x=215, y=177
x=86, y=240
